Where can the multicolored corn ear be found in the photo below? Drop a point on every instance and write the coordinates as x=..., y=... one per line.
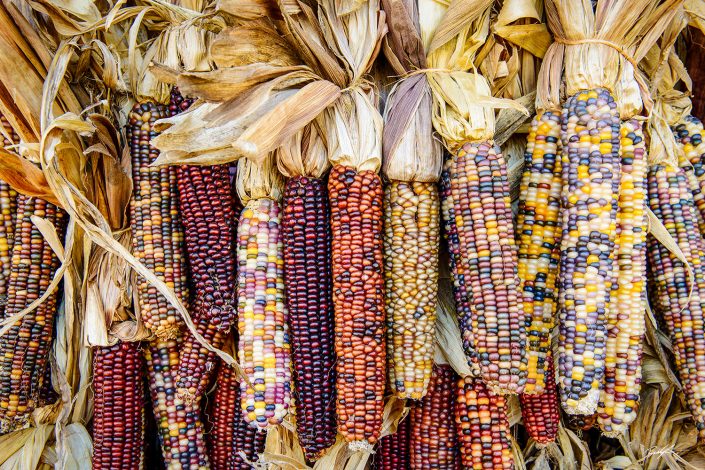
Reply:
x=434, y=441
x=539, y=234
x=540, y=411
x=264, y=350
x=8, y=213
x=232, y=443
x=488, y=255
x=411, y=238
x=590, y=164
x=482, y=425
x=209, y=225
x=689, y=136
x=393, y=450
x=118, y=407
x=677, y=297
x=626, y=318
x=157, y=234
x=457, y=270
x=24, y=348
x=309, y=299
x=179, y=423
x=358, y=298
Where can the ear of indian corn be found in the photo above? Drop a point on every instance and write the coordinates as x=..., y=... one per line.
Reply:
x=482, y=425
x=157, y=234
x=540, y=411
x=689, y=135
x=393, y=450
x=118, y=407
x=358, y=296
x=232, y=442
x=677, y=297
x=483, y=217
x=8, y=211
x=434, y=442
x=264, y=351
x=539, y=228
x=25, y=347
x=179, y=423
x=411, y=237
x=307, y=274
x=589, y=200
x=626, y=317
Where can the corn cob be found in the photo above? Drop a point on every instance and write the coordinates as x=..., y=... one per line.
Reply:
x=24, y=349
x=670, y=283
x=434, y=441
x=118, y=403
x=540, y=411
x=689, y=137
x=626, y=318
x=209, y=223
x=480, y=192
x=539, y=238
x=411, y=274
x=393, y=450
x=590, y=187
x=307, y=254
x=179, y=423
x=262, y=316
x=483, y=429
x=231, y=438
x=157, y=235
x=358, y=296
x=8, y=212
x=457, y=270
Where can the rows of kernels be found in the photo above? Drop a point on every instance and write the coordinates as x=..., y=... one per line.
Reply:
x=411, y=237
x=434, y=441
x=8, y=212
x=392, y=451
x=230, y=437
x=358, y=299
x=178, y=422
x=457, y=269
x=539, y=234
x=540, y=411
x=157, y=234
x=590, y=164
x=482, y=426
x=309, y=297
x=689, y=135
x=672, y=202
x=118, y=407
x=263, y=351
x=483, y=216
x=626, y=317
x=208, y=215
x=25, y=347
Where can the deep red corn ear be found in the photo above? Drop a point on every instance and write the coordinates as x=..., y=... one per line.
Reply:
x=232, y=443
x=540, y=411
x=307, y=277
x=393, y=450
x=118, y=407
x=434, y=440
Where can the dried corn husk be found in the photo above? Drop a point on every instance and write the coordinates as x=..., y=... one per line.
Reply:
x=306, y=152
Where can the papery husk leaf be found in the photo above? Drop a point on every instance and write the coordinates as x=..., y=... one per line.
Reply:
x=79, y=447
x=513, y=10
x=247, y=9
x=69, y=17
x=282, y=450
x=535, y=38
x=509, y=120
x=25, y=177
x=305, y=153
x=696, y=13
x=31, y=443
x=257, y=180
x=449, y=340
x=459, y=15
x=405, y=49
x=255, y=42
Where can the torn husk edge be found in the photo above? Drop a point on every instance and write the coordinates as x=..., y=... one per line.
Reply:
x=258, y=180
x=305, y=153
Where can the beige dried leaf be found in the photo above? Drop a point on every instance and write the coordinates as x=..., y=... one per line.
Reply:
x=258, y=179
x=305, y=153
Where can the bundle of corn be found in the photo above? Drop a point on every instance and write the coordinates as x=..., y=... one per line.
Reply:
x=263, y=342
x=434, y=441
x=484, y=256
x=412, y=164
x=599, y=99
x=307, y=278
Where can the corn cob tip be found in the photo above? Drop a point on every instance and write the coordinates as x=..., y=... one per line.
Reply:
x=166, y=333
x=361, y=446
x=584, y=406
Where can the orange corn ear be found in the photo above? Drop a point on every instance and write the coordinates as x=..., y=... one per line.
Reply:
x=358, y=299
x=434, y=439
x=487, y=254
x=157, y=234
x=540, y=411
x=118, y=407
x=483, y=429
x=24, y=349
